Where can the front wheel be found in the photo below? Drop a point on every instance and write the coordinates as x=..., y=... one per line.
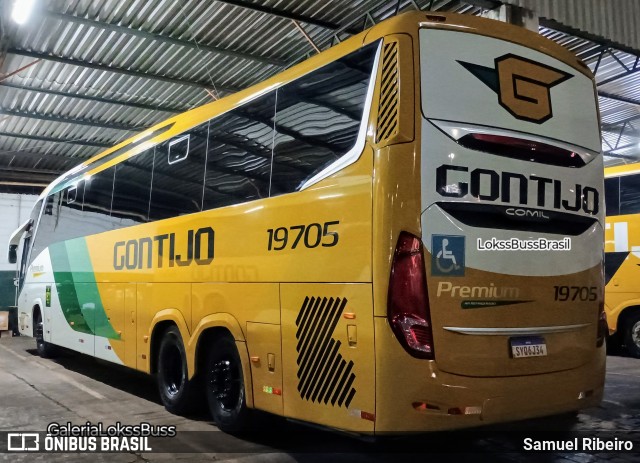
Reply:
x=225, y=389
x=177, y=393
x=631, y=334
x=44, y=349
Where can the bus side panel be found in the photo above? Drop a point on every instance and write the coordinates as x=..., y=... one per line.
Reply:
x=622, y=265
x=151, y=299
x=130, y=322
x=263, y=342
x=110, y=340
x=328, y=354
x=65, y=297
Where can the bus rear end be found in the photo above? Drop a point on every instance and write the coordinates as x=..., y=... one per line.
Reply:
x=492, y=301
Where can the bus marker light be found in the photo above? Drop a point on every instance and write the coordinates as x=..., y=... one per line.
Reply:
x=422, y=406
x=472, y=410
x=367, y=416
x=255, y=359
x=271, y=390
x=349, y=315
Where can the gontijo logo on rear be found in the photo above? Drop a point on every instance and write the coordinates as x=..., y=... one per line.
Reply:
x=523, y=86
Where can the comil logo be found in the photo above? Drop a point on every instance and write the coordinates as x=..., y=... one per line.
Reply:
x=523, y=86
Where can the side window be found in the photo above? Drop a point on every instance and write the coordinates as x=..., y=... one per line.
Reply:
x=239, y=154
x=46, y=233
x=35, y=217
x=612, y=195
x=178, y=173
x=318, y=119
x=70, y=222
x=98, y=192
x=132, y=189
x=630, y=194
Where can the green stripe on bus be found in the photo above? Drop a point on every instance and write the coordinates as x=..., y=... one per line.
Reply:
x=77, y=290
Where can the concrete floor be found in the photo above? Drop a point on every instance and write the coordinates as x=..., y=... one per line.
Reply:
x=35, y=392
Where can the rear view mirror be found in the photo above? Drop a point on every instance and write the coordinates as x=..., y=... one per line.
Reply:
x=13, y=253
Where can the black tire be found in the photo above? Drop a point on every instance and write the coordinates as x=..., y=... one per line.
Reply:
x=614, y=344
x=225, y=387
x=177, y=393
x=45, y=350
x=631, y=334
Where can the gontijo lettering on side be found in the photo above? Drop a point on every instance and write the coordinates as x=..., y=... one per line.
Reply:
x=198, y=248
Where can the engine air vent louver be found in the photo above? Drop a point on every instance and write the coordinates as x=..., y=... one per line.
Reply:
x=388, y=112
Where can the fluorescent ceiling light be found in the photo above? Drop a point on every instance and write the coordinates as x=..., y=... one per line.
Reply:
x=22, y=10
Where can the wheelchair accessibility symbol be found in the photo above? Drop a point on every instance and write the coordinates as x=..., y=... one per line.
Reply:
x=447, y=255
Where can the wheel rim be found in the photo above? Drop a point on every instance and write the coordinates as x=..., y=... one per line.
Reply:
x=225, y=383
x=172, y=370
x=635, y=333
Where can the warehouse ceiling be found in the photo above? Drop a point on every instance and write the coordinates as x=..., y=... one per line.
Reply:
x=80, y=76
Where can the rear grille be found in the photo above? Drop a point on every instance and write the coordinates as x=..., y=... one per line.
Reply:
x=388, y=113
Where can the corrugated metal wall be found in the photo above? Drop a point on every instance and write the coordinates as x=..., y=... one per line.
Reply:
x=616, y=20
x=14, y=210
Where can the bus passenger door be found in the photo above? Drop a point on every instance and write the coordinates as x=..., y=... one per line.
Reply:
x=328, y=354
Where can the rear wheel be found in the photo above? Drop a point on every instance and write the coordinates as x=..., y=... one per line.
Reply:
x=225, y=389
x=176, y=391
x=631, y=334
x=45, y=349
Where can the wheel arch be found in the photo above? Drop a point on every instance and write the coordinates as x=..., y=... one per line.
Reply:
x=163, y=320
x=210, y=328
x=35, y=305
x=625, y=313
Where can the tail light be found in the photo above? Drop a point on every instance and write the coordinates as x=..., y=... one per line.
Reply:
x=408, y=304
x=603, y=327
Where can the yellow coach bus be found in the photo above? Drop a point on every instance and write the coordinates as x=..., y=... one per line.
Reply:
x=622, y=247
x=403, y=233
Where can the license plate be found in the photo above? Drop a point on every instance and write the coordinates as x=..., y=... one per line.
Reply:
x=531, y=346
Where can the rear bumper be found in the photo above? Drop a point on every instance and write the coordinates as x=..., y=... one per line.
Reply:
x=412, y=395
